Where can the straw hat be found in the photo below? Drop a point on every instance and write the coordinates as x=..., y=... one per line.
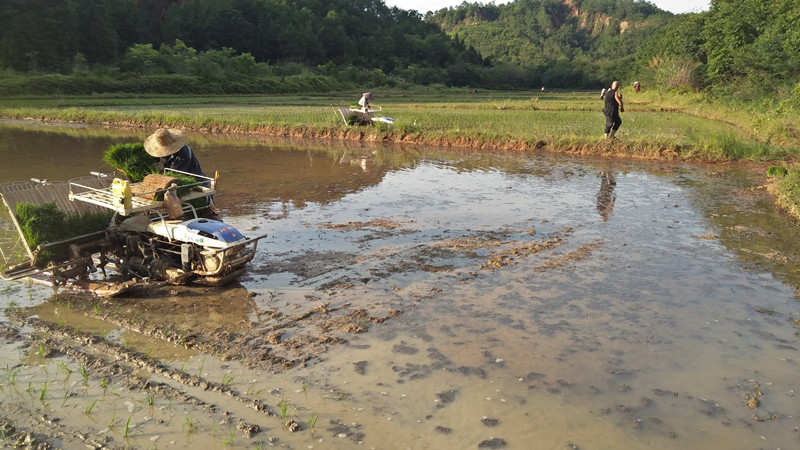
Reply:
x=164, y=142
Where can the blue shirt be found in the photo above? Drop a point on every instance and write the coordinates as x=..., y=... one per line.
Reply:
x=184, y=160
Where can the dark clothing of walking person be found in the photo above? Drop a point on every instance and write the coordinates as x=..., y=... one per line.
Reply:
x=612, y=108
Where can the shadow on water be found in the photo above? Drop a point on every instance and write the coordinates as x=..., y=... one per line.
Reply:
x=408, y=299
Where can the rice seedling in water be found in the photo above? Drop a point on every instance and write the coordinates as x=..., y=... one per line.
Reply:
x=128, y=427
x=191, y=424
x=227, y=379
x=89, y=407
x=113, y=419
x=200, y=371
x=82, y=371
x=43, y=392
x=312, y=422
x=229, y=442
x=283, y=405
x=251, y=390
x=11, y=375
x=66, y=396
x=64, y=367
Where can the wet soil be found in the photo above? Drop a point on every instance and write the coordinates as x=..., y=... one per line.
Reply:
x=445, y=302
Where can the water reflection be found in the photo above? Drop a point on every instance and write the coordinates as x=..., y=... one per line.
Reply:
x=606, y=196
x=647, y=331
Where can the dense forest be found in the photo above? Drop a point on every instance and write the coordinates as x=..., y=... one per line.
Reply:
x=557, y=42
x=358, y=41
x=263, y=46
x=747, y=48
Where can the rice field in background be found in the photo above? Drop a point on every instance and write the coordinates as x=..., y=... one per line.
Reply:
x=558, y=121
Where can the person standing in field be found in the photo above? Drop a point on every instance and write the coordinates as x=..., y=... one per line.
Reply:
x=364, y=101
x=612, y=107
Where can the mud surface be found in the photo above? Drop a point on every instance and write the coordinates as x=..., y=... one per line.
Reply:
x=436, y=301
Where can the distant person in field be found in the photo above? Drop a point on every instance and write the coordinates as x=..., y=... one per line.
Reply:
x=612, y=107
x=636, y=86
x=364, y=101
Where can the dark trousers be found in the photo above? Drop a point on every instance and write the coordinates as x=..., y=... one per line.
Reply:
x=613, y=121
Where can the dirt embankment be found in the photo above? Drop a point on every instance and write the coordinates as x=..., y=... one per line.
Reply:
x=615, y=148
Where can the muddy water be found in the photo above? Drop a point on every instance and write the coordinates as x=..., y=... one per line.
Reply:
x=421, y=299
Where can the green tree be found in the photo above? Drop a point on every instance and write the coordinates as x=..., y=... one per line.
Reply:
x=38, y=35
x=97, y=38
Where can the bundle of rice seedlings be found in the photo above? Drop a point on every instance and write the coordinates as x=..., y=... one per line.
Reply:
x=45, y=224
x=131, y=159
x=41, y=224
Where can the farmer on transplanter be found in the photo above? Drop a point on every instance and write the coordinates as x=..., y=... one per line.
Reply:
x=169, y=146
x=613, y=106
x=364, y=101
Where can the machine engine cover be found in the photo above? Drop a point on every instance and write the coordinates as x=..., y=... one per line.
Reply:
x=207, y=233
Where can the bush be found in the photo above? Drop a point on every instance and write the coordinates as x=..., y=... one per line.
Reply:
x=777, y=171
x=131, y=83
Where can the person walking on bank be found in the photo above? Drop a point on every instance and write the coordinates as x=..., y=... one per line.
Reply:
x=613, y=106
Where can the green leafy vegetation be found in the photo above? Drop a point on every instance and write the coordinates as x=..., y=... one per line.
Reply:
x=777, y=171
x=131, y=159
x=788, y=189
x=44, y=224
x=215, y=46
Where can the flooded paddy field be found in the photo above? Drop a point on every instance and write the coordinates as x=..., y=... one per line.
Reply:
x=413, y=299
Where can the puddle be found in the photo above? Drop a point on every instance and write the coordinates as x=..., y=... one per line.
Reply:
x=442, y=300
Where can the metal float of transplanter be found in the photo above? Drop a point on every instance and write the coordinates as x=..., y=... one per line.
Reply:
x=141, y=245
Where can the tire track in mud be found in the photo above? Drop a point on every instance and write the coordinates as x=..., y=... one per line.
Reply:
x=112, y=364
x=335, y=313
